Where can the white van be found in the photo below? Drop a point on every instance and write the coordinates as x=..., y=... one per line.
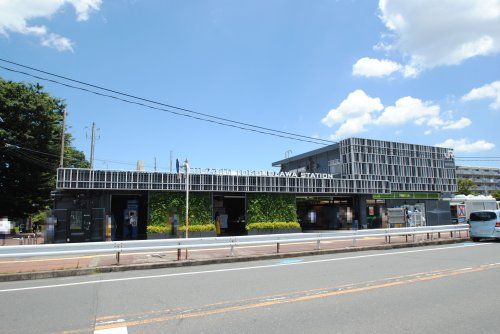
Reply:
x=484, y=224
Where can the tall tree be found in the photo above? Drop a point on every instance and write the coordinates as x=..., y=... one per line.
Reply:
x=466, y=187
x=30, y=136
x=496, y=194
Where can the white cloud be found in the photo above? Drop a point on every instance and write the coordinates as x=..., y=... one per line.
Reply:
x=489, y=91
x=464, y=145
x=407, y=109
x=463, y=122
x=57, y=42
x=353, y=126
x=431, y=33
x=16, y=14
x=370, y=67
x=359, y=110
x=356, y=104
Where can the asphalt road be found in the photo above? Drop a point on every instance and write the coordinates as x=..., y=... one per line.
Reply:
x=437, y=289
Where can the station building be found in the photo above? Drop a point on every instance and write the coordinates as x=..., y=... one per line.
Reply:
x=347, y=185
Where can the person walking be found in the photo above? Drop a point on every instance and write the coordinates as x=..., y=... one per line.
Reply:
x=4, y=229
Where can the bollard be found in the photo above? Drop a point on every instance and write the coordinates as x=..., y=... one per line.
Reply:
x=354, y=242
x=278, y=247
x=178, y=254
x=318, y=246
x=232, y=250
x=439, y=235
x=117, y=257
x=413, y=237
x=451, y=234
x=389, y=238
x=427, y=236
x=406, y=236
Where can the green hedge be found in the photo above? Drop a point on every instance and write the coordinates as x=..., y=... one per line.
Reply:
x=272, y=226
x=271, y=208
x=157, y=229
x=198, y=228
x=164, y=204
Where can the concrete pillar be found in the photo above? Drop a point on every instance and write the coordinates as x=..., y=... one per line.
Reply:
x=361, y=210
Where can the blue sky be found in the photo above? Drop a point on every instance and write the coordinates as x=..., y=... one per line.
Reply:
x=415, y=71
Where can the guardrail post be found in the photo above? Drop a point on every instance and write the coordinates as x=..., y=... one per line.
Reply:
x=354, y=240
x=427, y=236
x=318, y=246
x=459, y=233
x=178, y=254
x=231, y=253
x=439, y=235
x=413, y=236
x=451, y=234
x=118, y=251
x=278, y=247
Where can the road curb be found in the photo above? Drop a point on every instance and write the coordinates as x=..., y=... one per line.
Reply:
x=186, y=263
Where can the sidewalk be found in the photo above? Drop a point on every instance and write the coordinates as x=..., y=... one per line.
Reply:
x=32, y=268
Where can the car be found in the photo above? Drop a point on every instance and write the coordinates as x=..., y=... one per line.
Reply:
x=484, y=224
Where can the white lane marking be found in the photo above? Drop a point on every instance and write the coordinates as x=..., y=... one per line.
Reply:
x=116, y=330
x=189, y=273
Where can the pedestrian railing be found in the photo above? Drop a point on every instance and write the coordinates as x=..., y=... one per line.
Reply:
x=118, y=247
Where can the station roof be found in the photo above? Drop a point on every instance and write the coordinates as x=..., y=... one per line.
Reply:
x=307, y=154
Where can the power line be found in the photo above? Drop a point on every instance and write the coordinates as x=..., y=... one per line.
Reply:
x=157, y=108
x=315, y=140
x=11, y=146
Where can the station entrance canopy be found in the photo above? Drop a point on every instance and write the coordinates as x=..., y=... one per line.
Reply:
x=210, y=180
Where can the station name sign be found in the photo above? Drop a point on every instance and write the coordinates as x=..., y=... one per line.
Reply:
x=262, y=173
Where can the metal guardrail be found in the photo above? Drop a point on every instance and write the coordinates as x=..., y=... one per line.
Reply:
x=118, y=247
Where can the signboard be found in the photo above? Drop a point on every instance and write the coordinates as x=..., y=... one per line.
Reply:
x=407, y=195
x=263, y=173
x=461, y=215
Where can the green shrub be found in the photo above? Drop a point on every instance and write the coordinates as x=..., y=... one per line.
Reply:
x=272, y=226
x=271, y=208
x=198, y=228
x=165, y=204
x=157, y=229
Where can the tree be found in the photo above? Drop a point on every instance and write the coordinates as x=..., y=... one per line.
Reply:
x=496, y=194
x=466, y=187
x=30, y=135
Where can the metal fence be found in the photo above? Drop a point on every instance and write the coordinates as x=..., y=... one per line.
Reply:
x=79, y=178
x=117, y=247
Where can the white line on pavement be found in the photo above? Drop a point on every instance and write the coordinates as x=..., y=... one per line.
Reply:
x=189, y=273
x=116, y=330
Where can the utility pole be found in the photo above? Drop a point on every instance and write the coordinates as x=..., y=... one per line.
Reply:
x=63, y=135
x=186, y=165
x=93, y=137
x=92, y=143
x=171, y=161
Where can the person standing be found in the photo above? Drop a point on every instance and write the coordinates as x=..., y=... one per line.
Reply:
x=4, y=229
x=217, y=222
x=133, y=225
